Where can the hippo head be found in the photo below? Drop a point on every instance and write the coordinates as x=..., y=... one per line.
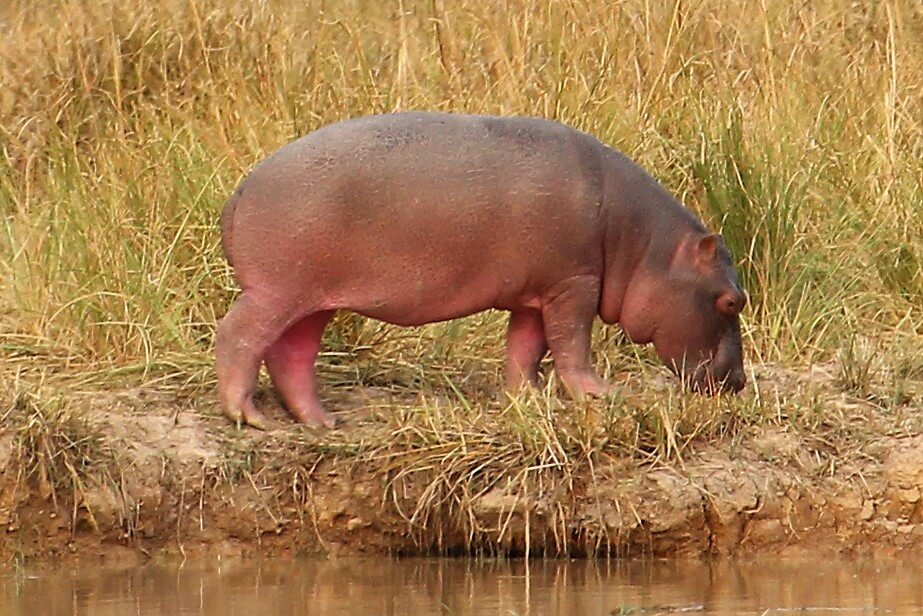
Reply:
x=689, y=309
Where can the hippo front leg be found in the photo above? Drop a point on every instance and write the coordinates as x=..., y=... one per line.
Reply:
x=568, y=318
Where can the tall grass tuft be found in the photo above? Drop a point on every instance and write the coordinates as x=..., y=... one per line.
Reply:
x=796, y=129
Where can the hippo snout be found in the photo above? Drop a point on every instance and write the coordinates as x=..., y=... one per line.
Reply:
x=734, y=381
x=724, y=371
x=720, y=375
x=710, y=382
x=738, y=380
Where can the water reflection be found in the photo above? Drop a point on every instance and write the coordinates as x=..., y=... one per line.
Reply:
x=421, y=586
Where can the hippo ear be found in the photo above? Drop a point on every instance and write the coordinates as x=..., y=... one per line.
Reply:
x=708, y=247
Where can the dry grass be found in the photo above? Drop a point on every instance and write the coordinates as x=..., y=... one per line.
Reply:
x=58, y=448
x=795, y=128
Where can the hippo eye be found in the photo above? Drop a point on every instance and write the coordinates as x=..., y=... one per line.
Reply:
x=730, y=303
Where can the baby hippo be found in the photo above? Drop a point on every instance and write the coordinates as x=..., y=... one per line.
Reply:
x=416, y=217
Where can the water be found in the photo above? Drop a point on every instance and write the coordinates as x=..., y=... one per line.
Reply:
x=446, y=587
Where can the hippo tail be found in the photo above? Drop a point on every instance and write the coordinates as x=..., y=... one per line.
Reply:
x=227, y=224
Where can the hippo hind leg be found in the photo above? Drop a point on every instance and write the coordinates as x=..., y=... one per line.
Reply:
x=245, y=333
x=568, y=318
x=290, y=361
x=525, y=347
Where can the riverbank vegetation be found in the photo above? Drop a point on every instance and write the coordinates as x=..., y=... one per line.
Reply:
x=796, y=129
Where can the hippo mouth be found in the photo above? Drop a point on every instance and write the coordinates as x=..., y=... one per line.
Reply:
x=709, y=381
x=710, y=378
x=723, y=371
x=710, y=372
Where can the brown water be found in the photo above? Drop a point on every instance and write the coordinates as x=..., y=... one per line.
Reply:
x=446, y=587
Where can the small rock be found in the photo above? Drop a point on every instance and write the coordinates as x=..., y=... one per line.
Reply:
x=906, y=529
x=905, y=467
x=355, y=523
x=499, y=501
x=6, y=451
x=908, y=496
x=868, y=511
x=766, y=531
x=777, y=444
x=846, y=502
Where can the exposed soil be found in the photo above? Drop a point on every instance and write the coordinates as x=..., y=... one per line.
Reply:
x=180, y=480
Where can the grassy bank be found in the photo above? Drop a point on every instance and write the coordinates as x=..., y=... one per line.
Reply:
x=795, y=129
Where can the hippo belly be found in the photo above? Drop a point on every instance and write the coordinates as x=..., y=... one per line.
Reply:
x=439, y=227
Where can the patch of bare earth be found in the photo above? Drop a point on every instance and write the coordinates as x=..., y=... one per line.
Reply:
x=173, y=477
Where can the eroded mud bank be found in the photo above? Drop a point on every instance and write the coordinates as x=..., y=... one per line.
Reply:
x=177, y=482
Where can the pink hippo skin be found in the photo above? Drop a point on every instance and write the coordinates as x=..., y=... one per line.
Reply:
x=412, y=218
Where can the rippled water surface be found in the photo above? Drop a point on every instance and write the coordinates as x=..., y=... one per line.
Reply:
x=438, y=586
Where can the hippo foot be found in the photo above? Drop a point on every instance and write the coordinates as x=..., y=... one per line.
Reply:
x=328, y=421
x=256, y=419
x=249, y=417
x=518, y=382
x=319, y=419
x=584, y=385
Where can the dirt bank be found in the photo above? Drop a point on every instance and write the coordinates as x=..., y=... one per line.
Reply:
x=142, y=473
